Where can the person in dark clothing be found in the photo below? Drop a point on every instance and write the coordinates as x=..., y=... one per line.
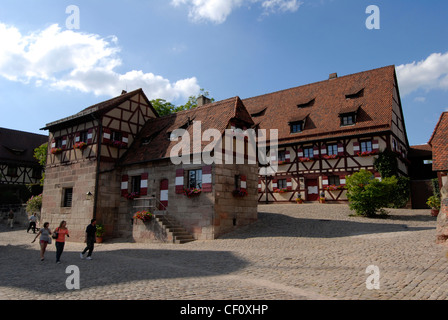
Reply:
x=90, y=240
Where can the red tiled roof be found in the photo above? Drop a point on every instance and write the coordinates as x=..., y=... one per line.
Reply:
x=439, y=143
x=156, y=132
x=374, y=106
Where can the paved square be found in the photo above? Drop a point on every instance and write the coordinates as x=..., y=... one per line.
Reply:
x=294, y=252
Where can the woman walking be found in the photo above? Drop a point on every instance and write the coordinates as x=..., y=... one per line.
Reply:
x=45, y=239
x=62, y=231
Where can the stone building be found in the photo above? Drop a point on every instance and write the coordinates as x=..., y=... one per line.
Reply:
x=107, y=160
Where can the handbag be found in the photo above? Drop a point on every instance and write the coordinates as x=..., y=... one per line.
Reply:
x=55, y=235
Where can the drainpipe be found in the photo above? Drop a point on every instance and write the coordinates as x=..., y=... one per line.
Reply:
x=98, y=163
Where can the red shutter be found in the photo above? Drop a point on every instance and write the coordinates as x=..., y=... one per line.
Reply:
x=274, y=184
x=324, y=181
x=163, y=194
x=288, y=156
x=289, y=184
x=53, y=144
x=343, y=180
x=356, y=148
x=300, y=153
x=64, y=142
x=243, y=183
x=259, y=186
x=341, y=149
x=106, y=136
x=316, y=151
x=77, y=136
x=375, y=146
x=144, y=185
x=207, y=185
x=179, y=181
x=124, y=185
x=125, y=139
x=323, y=149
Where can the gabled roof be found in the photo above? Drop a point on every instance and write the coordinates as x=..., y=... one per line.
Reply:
x=99, y=109
x=368, y=93
x=153, y=142
x=439, y=143
x=18, y=146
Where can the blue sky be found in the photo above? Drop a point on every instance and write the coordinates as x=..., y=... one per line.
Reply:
x=172, y=48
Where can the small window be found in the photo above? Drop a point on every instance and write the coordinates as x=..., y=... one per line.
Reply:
x=334, y=180
x=116, y=136
x=237, y=182
x=83, y=136
x=308, y=152
x=12, y=171
x=366, y=146
x=296, y=127
x=68, y=197
x=195, y=179
x=306, y=104
x=347, y=119
x=332, y=149
x=135, y=184
x=358, y=94
x=282, y=155
x=259, y=114
x=281, y=184
x=58, y=143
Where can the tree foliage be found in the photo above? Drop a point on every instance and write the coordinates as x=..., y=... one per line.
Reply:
x=369, y=196
x=40, y=154
x=387, y=163
x=165, y=108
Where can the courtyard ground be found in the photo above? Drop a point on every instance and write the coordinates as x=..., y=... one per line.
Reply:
x=294, y=252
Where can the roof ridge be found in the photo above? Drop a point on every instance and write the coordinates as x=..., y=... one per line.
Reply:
x=321, y=81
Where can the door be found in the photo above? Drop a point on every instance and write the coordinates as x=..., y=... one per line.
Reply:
x=163, y=194
x=312, y=190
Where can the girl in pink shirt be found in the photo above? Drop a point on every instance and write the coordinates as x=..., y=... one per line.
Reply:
x=62, y=231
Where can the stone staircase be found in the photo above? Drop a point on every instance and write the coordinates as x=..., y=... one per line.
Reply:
x=174, y=231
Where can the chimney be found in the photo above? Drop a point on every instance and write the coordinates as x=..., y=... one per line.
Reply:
x=203, y=101
x=123, y=92
x=333, y=76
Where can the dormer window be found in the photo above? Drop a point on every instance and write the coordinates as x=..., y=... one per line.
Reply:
x=259, y=113
x=296, y=127
x=355, y=95
x=348, y=119
x=306, y=104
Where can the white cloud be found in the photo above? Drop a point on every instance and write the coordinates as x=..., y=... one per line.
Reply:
x=217, y=11
x=428, y=74
x=64, y=59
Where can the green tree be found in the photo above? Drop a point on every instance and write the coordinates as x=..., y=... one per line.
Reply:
x=368, y=196
x=40, y=154
x=165, y=108
x=386, y=163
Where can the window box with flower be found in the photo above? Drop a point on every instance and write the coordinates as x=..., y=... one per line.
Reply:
x=56, y=151
x=144, y=216
x=306, y=159
x=80, y=145
x=192, y=192
x=282, y=190
x=132, y=195
x=330, y=156
x=334, y=187
x=239, y=193
x=366, y=153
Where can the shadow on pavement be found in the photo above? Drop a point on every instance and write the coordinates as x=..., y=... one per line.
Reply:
x=21, y=267
x=280, y=225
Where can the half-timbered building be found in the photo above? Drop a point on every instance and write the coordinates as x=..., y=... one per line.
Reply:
x=328, y=130
x=439, y=144
x=19, y=170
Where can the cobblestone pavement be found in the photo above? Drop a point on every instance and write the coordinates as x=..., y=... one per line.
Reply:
x=294, y=252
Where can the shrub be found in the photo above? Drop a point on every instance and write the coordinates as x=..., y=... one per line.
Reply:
x=34, y=204
x=368, y=196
